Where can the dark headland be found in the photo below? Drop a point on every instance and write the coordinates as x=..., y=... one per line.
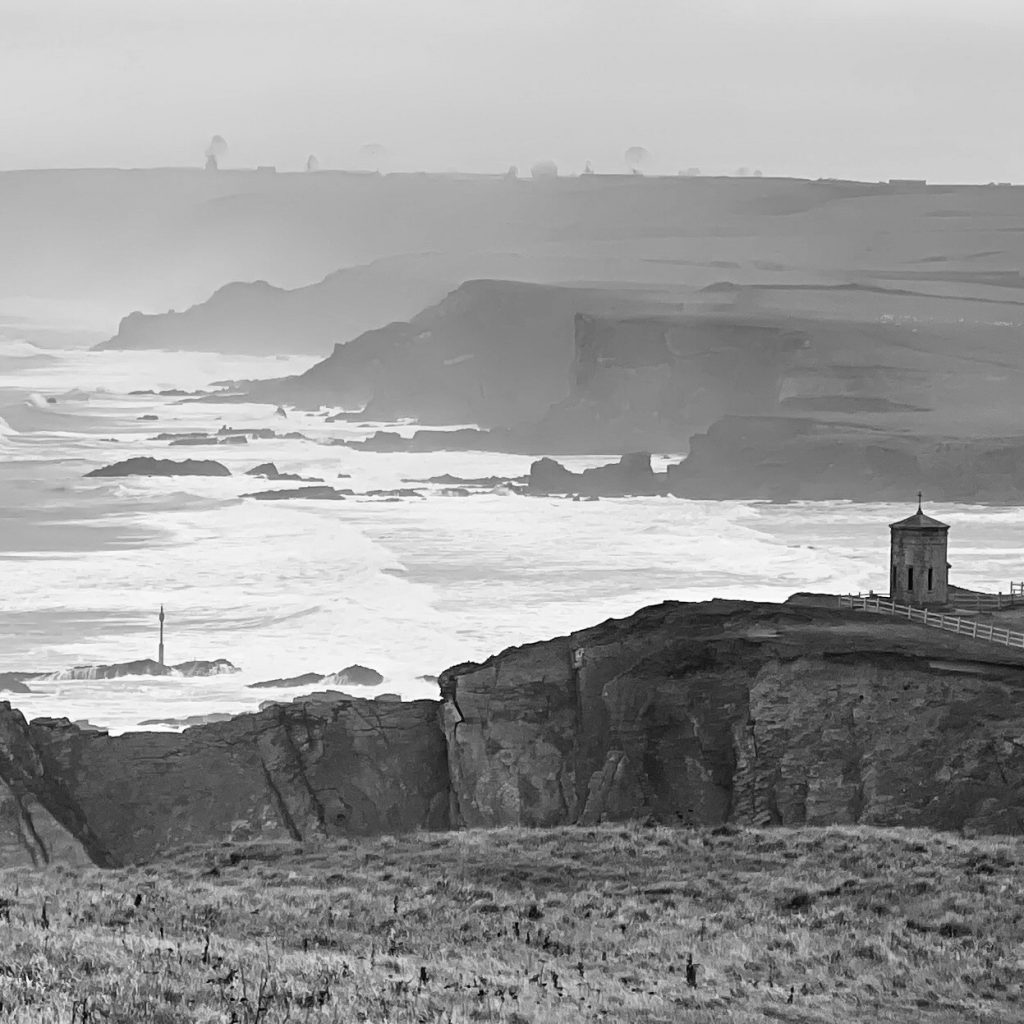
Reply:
x=713, y=714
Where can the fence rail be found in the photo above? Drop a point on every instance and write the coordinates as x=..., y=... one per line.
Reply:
x=951, y=623
x=990, y=602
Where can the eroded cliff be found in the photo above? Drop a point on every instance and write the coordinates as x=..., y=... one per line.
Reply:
x=755, y=714
x=699, y=714
x=296, y=771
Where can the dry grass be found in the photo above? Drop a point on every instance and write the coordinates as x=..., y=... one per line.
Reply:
x=528, y=926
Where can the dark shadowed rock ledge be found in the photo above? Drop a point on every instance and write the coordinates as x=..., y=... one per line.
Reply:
x=702, y=714
x=145, y=466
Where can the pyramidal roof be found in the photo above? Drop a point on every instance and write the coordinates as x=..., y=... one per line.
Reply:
x=919, y=521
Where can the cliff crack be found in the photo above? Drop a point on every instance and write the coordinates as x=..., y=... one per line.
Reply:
x=282, y=808
x=30, y=838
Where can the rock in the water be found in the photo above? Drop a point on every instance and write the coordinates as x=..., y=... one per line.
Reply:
x=146, y=466
x=191, y=669
x=306, y=679
x=631, y=475
x=269, y=471
x=143, y=667
x=354, y=675
x=395, y=492
x=316, y=492
x=14, y=682
x=148, y=416
x=487, y=482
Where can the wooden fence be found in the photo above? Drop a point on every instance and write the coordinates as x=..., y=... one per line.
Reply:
x=990, y=602
x=951, y=623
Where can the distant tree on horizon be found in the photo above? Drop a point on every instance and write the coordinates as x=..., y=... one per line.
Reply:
x=312, y=164
x=544, y=169
x=636, y=158
x=216, y=150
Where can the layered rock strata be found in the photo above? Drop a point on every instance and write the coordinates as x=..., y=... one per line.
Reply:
x=697, y=714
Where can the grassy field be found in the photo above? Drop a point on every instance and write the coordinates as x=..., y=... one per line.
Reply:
x=573, y=924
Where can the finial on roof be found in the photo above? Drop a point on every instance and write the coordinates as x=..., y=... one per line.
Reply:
x=919, y=497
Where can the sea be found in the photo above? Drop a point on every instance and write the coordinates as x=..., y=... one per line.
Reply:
x=407, y=586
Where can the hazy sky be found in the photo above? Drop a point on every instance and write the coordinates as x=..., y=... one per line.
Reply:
x=857, y=88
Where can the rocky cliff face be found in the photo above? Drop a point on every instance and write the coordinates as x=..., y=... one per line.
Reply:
x=787, y=459
x=688, y=713
x=754, y=714
x=491, y=352
x=347, y=768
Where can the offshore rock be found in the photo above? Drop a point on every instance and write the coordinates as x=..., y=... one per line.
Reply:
x=143, y=667
x=306, y=679
x=14, y=682
x=631, y=475
x=354, y=675
x=145, y=466
x=315, y=492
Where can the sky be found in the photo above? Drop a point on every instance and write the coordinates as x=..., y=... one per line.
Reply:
x=867, y=89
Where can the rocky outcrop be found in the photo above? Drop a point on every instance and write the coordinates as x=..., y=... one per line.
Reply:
x=786, y=459
x=146, y=466
x=269, y=471
x=354, y=675
x=733, y=712
x=306, y=679
x=14, y=682
x=632, y=474
x=143, y=667
x=315, y=492
x=292, y=771
x=696, y=714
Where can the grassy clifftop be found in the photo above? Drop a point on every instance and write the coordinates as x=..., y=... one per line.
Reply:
x=523, y=926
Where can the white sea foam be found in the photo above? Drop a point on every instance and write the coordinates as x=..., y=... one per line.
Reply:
x=406, y=587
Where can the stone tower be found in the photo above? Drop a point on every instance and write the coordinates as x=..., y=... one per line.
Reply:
x=918, y=566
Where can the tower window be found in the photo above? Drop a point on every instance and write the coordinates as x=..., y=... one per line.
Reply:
x=910, y=577
x=929, y=579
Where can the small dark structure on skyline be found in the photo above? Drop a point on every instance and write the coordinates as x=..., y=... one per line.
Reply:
x=160, y=649
x=918, y=566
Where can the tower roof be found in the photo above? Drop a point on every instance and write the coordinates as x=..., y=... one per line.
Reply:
x=919, y=521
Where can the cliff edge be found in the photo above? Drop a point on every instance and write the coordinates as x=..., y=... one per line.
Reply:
x=697, y=714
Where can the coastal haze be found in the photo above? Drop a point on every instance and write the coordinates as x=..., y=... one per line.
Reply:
x=510, y=511
x=581, y=318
